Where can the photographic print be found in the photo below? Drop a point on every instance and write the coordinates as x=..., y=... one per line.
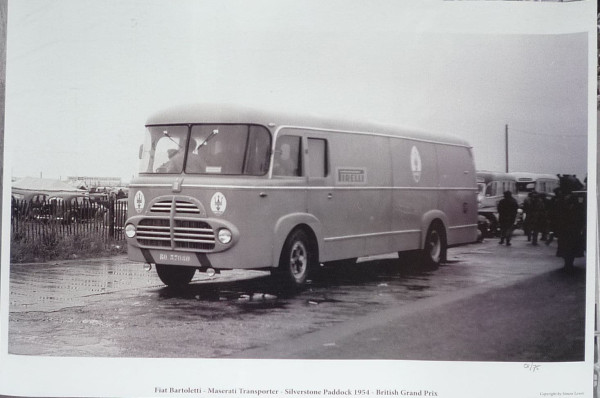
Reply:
x=299, y=198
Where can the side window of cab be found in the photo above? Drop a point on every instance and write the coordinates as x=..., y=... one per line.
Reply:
x=287, y=160
x=317, y=150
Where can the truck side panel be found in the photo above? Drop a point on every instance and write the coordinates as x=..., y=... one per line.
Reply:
x=353, y=201
x=458, y=198
x=415, y=179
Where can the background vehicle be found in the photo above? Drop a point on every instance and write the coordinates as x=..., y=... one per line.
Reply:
x=34, y=205
x=70, y=209
x=491, y=186
x=529, y=182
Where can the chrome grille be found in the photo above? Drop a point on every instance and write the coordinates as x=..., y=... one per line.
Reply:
x=193, y=234
x=154, y=232
x=181, y=206
x=187, y=234
x=185, y=207
x=163, y=206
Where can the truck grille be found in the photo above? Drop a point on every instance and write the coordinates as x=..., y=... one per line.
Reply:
x=154, y=232
x=163, y=206
x=181, y=207
x=193, y=234
x=186, y=234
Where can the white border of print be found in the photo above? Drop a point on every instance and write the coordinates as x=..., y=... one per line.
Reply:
x=49, y=376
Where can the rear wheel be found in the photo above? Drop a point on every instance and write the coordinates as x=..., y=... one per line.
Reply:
x=297, y=257
x=175, y=275
x=434, y=251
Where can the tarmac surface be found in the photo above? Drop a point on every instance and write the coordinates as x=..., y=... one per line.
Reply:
x=488, y=303
x=540, y=319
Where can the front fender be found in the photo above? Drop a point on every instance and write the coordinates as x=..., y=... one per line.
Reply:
x=286, y=224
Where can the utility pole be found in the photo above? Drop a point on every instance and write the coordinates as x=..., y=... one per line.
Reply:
x=506, y=145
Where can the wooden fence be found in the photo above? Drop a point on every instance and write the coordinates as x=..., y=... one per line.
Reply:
x=32, y=221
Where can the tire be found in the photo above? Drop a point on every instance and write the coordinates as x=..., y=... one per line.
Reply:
x=494, y=230
x=434, y=251
x=175, y=275
x=296, y=259
x=480, y=235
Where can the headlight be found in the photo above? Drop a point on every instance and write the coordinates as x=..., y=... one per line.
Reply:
x=224, y=236
x=130, y=230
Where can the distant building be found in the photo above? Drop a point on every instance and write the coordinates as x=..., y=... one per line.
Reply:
x=95, y=182
x=27, y=187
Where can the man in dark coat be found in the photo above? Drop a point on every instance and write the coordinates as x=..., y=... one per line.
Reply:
x=538, y=217
x=527, y=205
x=507, y=212
x=571, y=223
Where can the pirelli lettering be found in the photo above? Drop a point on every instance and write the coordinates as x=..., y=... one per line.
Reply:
x=347, y=175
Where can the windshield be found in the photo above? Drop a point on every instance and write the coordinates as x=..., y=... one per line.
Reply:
x=481, y=188
x=525, y=186
x=206, y=149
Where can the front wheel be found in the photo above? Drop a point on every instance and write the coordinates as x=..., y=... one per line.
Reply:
x=175, y=275
x=296, y=259
x=434, y=251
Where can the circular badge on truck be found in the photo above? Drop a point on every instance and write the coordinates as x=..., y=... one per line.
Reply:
x=415, y=164
x=218, y=203
x=139, y=201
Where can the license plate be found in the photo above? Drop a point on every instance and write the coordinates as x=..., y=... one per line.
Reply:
x=164, y=257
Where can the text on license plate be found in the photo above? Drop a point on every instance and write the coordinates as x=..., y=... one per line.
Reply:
x=174, y=258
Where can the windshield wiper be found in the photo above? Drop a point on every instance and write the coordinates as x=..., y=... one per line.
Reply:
x=211, y=135
x=166, y=134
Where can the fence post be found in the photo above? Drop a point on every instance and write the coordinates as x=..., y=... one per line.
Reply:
x=111, y=217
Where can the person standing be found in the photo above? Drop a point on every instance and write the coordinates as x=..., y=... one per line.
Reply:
x=507, y=214
x=527, y=216
x=552, y=209
x=571, y=227
x=538, y=217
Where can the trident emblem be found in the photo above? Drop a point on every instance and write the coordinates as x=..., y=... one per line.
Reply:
x=218, y=203
x=139, y=201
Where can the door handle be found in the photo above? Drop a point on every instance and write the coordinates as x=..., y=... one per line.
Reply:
x=329, y=195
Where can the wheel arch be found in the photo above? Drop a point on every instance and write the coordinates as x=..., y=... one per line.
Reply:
x=287, y=224
x=433, y=217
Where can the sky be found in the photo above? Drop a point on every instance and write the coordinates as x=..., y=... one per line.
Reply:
x=84, y=75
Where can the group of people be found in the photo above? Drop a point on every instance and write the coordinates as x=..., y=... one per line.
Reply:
x=562, y=216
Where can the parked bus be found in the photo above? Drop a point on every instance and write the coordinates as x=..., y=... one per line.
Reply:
x=491, y=186
x=529, y=182
x=235, y=188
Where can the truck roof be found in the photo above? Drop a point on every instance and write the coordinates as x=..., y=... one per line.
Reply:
x=233, y=114
x=527, y=176
x=486, y=176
